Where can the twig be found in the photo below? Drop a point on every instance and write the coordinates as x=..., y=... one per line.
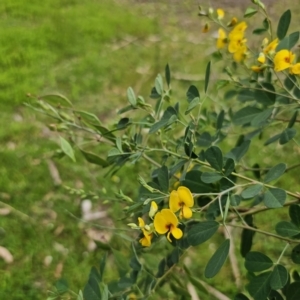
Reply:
x=213, y=291
x=54, y=172
x=233, y=260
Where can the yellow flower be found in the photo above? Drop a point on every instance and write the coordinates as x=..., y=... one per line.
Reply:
x=221, y=42
x=236, y=44
x=233, y=22
x=153, y=209
x=295, y=69
x=148, y=235
x=220, y=13
x=240, y=54
x=283, y=60
x=270, y=49
x=238, y=30
x=205, y=28
x=261, y=58
x=166, y=221
x=182, y=200
x=256, y=69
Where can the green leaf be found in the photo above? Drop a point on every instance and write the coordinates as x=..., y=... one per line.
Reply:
x=217, y=260
x=104, y=292
x=159, y=84
x=293, y=119
x=288, y=42
x=91, y=290
x=259, y=31
x=56, y=99
x=238, y=152
x=202, y=232
x=246, y=241
x=204, y=139
x=275, y=172
x=192, y=105
x=245, y=115
x=163, y=178
x=240, y=297
x=169, y=116
x=243, y=95
x=296, y=255
x=192, y=93
x=229, y=166
x=252, y=191
x=214, y=157
x=257, y=262
x=61, y=286
x=250, y=11
x=294, y=212
x=283, y=25
x=168, y=75
x=272, y=139
x=287, y=229
x=194, y=183
x=210, y=177
x=261, y=118
x=161, y=268
x=207, y=75
x=94, y=159
x=259, y=287
x=131, y=96
x=279, y=277
x=290, y=82
x=287, y=135
x=80, y=296
x=274, y=197
x=88, y=117
x=102, y=266
x=267, y=96
x=220, y=119
x=293, y=291
x=67, y=148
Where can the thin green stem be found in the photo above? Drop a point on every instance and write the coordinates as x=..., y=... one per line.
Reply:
x=284, y=249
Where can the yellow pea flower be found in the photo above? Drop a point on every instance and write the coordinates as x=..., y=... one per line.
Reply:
x=240, y=54
x=283, y=60
x=166, y=221
x=182, y=200
x=153, y=209
x=222, y=40
x=238, y=31
x=270, y=48
x=236, y=44
x=148, y=235
x=261, y=58
x=295, y=69
x=220, y=13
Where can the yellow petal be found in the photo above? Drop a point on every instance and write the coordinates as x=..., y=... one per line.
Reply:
x=153, y=209
x=221, y=42
x=176, y=232
x=261, y=58
x=283, y=60
x=146, y=240
x=295, y=69
x=160, y=223
x=220, y=13
x=186, y=212
x=271, y=47
x=141, y=222
x=232, y=22
x=174, y=201
x=256, y=69
x=185, y=196
x=240, y=55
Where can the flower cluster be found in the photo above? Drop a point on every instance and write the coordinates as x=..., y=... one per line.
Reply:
x=166, y=220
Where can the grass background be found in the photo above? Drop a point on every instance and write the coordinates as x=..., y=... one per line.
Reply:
x=90, y=51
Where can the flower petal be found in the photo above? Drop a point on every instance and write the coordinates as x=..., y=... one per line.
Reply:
x=283, y=60
x=169, y=217
x=186, y=212
x=141, y=222
x=153, y=209
x=160, y=223
x=295, y=69
x=174, y=201
x=185, y=196
x=176, y=232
